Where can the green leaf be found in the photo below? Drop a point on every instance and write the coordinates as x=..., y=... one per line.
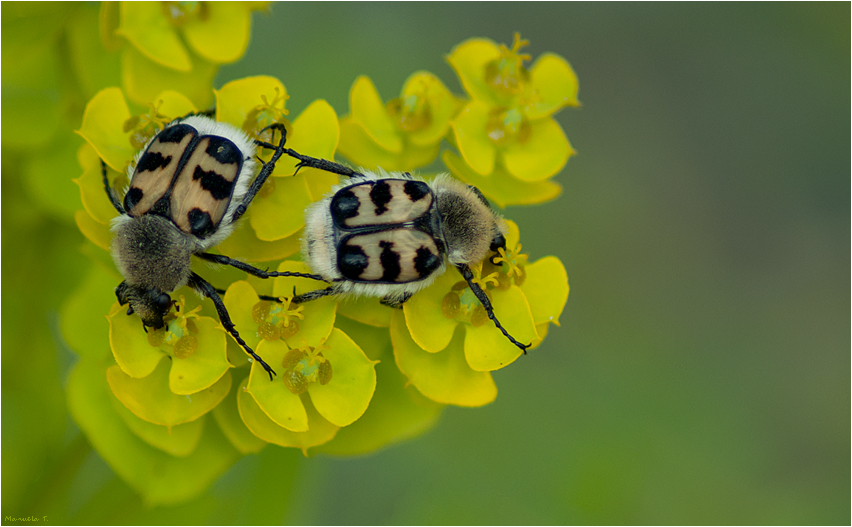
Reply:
x=159, y=477
x=82, y=314
x=228, y=418
x=179, y=440
x=150, y=398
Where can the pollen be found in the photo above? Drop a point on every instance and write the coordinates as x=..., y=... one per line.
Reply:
x=268, y=331
x=451, y=305
x=277, y=320
x=306, y=365
x=295, y=381
x=156, y=337
x=478, y=317
x=185, y=346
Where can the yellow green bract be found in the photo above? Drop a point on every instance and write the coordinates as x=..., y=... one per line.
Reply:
x=352, y=375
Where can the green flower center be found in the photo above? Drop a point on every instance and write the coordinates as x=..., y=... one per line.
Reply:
x=144, y=126
x=506, y=73
x=505, y=126
x=461, y=303
x=276, y=320
x=265, y=114
x=304, y=366
x=178, y=335
x=411, y=112
x=180, y=12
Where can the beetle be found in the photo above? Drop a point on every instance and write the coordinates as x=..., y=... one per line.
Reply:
x=188, y=187
x=390, y=235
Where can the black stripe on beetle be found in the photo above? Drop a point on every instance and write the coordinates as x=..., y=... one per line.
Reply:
x=416, y=190
x=133, y=196
x=200, y=222
x=223, y=150
x=381, y=196
x=175, y=134
x=352, y=261
x=426, y=262
x=345, y=205
x=152, y=161
x=390, y=262
x=212, y=182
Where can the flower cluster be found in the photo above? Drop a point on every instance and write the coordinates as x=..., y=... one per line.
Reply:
x=509, y=145
x=353, y=375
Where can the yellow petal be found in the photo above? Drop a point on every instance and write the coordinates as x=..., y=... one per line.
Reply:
x=97, y=232
x=174, y=104
x=316, y=134
x=265, y=428
x=429, y=328
x=243, y=243
x=345, y=398
x=272, y=396
x=223, y=35
x=281, y=213
x=469, y=60
x=93, y=195
x=102, y=127
x=366, y=107
x=540, y=157
x=443, y=377
x=357, y=145
x=474, y=145
x=147, y=28
x=204, y=367
x=365, y=310
x=240, y=298
x=319, y=314
x=227, y=416
x=442, y=105
x=239, y=97
x=396, y=413
x=485, y=347
x=554, y=84
x=129, y=343
x=501, y=187
x=144, y=79
x=546, y=289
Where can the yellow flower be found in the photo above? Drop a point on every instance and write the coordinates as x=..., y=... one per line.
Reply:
x=506, y=131
x=444, y=341
x=403, y=134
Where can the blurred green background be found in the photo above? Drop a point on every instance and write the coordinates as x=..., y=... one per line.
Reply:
x=701, y=373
